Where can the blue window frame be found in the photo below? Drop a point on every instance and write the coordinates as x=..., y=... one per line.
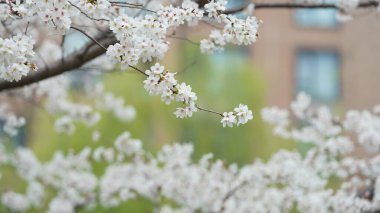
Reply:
x=320, y=18
x=317, y=74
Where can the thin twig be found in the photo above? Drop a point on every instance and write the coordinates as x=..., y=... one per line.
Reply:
x=184, y=39
x=143, y=8
x=186, y=67
x=137, y=69
x=231, y=193
x=80, y=10
x=121, y=2
x=133, y=7
x=26, y=29
x=88, y=36
x=207, y=110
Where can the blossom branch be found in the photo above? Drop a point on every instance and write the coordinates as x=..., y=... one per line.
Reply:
x=207, y=110
x=368, y=4
x=72, y=62
x=85, y=14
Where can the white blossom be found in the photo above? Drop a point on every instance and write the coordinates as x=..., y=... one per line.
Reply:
x=347, y=5
x=215, y=7
x=238, y=31
x=59, y=205
x=243, y=114
x=229, y=119
x=16, y=53
x=15, y=202
x=65, y=125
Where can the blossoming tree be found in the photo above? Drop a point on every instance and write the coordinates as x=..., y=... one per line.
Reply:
x=129, y=34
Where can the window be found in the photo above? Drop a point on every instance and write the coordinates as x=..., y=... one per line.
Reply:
x=229, y=58
x=321, y=18
x=226, y=64
x=317, y=74
x=236, y=3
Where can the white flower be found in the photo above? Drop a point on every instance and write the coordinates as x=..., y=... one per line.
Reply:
x=229, y=119
x=151, y=85
x=12, y=124
x=157, y=69
x=275, y=116
x=35, y=194
x=185, y=112
x=214, y=7
x=65, y=125
x=185, y=94
x=215, y=42
x=238, y=31
x=167, y=96
x=347, y=5
x=16, y=53
x=15, y=202
x=300, y=105
x=243, y=114
x=59, y=205
x=125, y=144
x=102, y=153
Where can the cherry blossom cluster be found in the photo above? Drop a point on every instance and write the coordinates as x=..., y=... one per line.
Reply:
x=215, y=7
x=215, y=42
x=16, y=53
x=139, y=38
x=328, y=136
x=236, y=31
x=323, y=124
x=163, y=83
x=143, y=37
x=56, y=14
x=240, y=115
x=53, y=96
x=288, y=181
x=95, y=9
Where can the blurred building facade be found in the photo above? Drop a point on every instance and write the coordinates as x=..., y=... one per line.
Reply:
x=309, y=50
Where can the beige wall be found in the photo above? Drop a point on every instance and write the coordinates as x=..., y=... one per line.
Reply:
x=357, y=42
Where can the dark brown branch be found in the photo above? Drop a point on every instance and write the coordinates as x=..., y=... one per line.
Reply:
x=258, y=6
x=72, y=62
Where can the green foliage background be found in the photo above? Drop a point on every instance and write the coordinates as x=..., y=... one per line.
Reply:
x=221, y=81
